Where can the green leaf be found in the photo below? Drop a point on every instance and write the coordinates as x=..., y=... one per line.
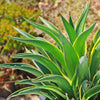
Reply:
x=97, y=35
x=82, y=20
x=95, y=59
x=70, y=31
x=45, y=45
x=71, y=22
x=49, y=24
x=91, y=92
x=38, y=90
x=96, y=77
x=82, y=70
x=41, y=59
x=74, y=81
x=83, y=89
x=80, y=41
x=32, y=90
x=25, y=67
x=50, y=88
x=42, y=51
x=70, y=55
x=50, y=56
x=59, y=80
x=47, y=30
x=85, y=86
x=41, y=67
x=27, y=81
x=47, y=54
x=25, y=34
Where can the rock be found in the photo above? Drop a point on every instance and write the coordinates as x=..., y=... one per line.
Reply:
x=34, y=97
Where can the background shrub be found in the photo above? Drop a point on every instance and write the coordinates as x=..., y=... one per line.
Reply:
x=11, y=15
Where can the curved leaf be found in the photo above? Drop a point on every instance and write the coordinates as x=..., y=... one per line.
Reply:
x=45, y=45
x=80, y=41
x=95, y=59
x=25, y=67
x=91, y=92
x=97, y=35
x=59, y=80
x=49, y=24
x=41, y=67
x=30, y=82
x=43, y=60
x=39, y=90
x=96, y=77
x=25, y=34
x=85, y=86
x=47, y=30
x=27, y=81
x=32, y=90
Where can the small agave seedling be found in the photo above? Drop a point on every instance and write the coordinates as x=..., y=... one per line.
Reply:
x=64, y=71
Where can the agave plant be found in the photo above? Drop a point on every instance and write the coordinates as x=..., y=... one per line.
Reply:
x=64, y=71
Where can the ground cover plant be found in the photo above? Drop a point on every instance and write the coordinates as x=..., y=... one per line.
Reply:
x=64, y=71
x=11, y=15
x=31, y=4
